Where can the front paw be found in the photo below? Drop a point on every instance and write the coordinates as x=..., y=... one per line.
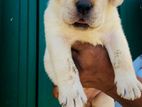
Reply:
x=128, y=86
x=72, y=95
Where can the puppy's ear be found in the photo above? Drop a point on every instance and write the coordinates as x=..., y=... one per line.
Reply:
x=116, y=3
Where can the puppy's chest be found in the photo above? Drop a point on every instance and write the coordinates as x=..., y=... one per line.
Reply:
x=93, y=38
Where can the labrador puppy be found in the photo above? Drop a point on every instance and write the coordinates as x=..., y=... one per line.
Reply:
x=95, y=22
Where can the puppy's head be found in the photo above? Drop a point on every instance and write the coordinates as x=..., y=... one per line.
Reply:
x=85, y=13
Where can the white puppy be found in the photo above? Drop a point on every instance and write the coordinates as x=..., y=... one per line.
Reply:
x=93, y=21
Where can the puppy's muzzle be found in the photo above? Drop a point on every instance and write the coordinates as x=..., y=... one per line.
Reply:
x=84, y=7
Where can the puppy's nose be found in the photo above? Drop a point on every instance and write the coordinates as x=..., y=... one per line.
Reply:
x=84, y=6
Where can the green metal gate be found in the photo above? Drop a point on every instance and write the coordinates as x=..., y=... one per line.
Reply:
x=23, y=82
x=131, y=15
x=18, y=53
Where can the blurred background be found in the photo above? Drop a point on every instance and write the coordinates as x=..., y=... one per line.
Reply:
x=23, y=81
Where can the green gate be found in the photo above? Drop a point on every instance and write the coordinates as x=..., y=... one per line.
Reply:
x=18, y=53
x=23, y=82
x=131, y=15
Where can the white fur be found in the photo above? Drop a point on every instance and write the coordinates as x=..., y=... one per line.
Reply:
x=106, y=30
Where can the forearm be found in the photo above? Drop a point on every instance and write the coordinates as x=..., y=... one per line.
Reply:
x=109, y=88
x=96, y=71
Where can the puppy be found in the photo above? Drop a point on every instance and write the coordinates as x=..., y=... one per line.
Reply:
x=95, y=22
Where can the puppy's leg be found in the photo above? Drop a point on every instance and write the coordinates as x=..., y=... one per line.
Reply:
x=127, y=84
x=71, y=92
x=49, y=67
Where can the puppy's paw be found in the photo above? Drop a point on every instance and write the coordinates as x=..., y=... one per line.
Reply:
x=72, y=95
x=128, y=86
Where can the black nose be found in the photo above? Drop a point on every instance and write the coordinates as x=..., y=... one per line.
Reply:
x=84, y=6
